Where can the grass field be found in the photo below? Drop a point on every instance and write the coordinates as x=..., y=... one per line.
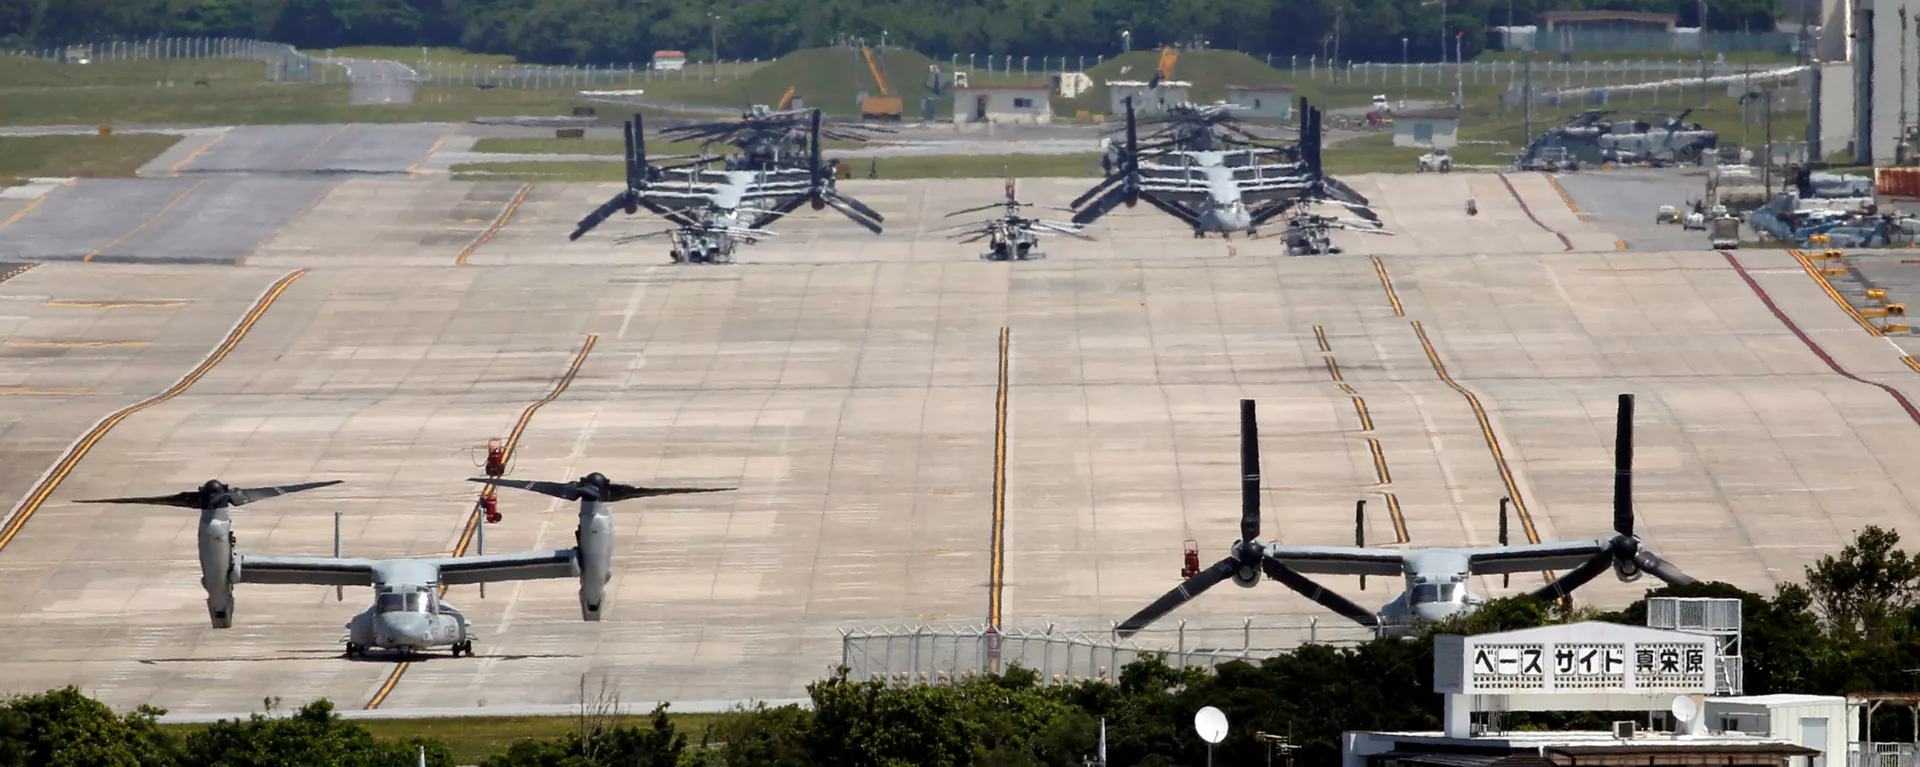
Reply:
x=25, y=157
x=934, y=166
x=473, y=739
x=412, y=56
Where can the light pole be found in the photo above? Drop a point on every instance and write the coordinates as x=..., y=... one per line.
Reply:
x=713, y=42
x=1403, y=69
x=1126, y=40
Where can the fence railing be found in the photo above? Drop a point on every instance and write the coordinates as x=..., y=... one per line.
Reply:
x=284, y=63
x=539, y=76
x=924, y=654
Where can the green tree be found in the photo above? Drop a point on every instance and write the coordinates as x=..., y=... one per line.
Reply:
x=1866, y=590
x=63, y=728
x=314, y=736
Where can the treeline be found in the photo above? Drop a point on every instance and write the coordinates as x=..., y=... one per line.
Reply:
x=598, y=31
x=1854, y=625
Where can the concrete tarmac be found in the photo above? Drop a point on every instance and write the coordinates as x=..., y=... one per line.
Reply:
x=846, y=384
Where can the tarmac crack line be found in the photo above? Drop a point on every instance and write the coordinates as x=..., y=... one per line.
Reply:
x=149, y=222
x=997, y=578
x=1382, y=475
x=498, y=223
x=65, y=466
x=473, y=516
x=1812, y=345
x=1529, y=211
x=1387, y=282
x=1486, y=432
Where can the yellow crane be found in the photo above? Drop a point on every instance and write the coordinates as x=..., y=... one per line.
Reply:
x=786, y=100
x=1164, y=71
x=885, y=106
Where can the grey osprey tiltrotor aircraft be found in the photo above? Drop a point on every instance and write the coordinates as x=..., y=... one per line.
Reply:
x=1219, y=191
x=1436, y=578
x=714, y=210
x=407, y=613
x=1012, y=237
x=770, y=138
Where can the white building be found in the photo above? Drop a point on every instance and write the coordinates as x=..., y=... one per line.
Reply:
x=1593, y=666
x=1440, y=130
x=1003, y=104
x=1822, y=722
x=1146, y=101
x=1270, y=102
x=1866, y=80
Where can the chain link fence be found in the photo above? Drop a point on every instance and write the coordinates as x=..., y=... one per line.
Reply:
x=924, y=654
x=284, y=64
x=539, y=77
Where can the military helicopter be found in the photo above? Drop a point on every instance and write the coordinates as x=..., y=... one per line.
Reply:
x=1189, y=127
x=1012, y=237
x=1311, y=234
x=408, y=613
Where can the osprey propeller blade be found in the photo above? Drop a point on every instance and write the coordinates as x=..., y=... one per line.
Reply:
x=594, y=486
x=217, y=495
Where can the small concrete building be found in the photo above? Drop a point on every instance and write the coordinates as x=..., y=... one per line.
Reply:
x=1146, y=102
x=1026, y=104
x=1439, y=130
x=1825, y=723
x=1609, y=21
x=1268, y=102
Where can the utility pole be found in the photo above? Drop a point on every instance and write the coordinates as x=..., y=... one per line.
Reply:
x=713, y=42
x=1703, y=53
x=1766, y=172
x=1900, y=145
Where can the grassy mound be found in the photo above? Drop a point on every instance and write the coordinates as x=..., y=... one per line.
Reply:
x=1210, y=71
x=829, y=78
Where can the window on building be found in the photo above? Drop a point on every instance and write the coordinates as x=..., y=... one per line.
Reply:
x=1020, y=103
x=1423, y=133
x=1256, y=103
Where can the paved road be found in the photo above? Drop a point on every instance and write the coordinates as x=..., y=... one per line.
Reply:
x=377, y=81
x=1625, y=201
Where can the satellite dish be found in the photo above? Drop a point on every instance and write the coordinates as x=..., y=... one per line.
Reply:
x=1683, y=709
x=1212, y=724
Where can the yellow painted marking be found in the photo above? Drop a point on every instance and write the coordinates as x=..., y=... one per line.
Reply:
x=415, y=168
x=1567, y=198
x=73, y=344
x=1619, y=244
x=1827, y=286
x=86, y=443
x=1399, y=520
x=23, y=211
x=1321, y=336
x=33, y=390
x=1387, y=282
x=1333, y=367
x=149, y=222
x=175, y=170
x=1379, y=463
x=1366, y=420
x=1486, y=431
x=323, y=142
x=473, y=517
x=1911, y=363
x=505, y=213
x=1345, y=388
x=118, y=304
x=997, y=580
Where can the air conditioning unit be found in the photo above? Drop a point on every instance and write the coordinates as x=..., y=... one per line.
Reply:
x=1623, y=730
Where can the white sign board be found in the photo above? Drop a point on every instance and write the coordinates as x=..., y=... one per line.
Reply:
x=1581, y=657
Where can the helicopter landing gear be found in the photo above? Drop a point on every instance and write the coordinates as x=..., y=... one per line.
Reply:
x=463, y=648
x=355, y=651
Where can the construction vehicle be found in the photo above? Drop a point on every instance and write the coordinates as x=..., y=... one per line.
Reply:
x=786, y=100
x=885, y=106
